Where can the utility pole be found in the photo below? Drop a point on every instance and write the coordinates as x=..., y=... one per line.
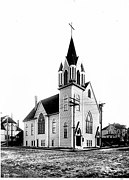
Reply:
x=101, y=111
x=73, y=103
x=7, y=131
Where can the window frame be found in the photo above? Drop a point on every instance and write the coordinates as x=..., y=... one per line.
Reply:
x=65, y=130
x=53, y=142
x=65, y=103
x=89, y=123
x=32, y=129
x=65, y=77
x=53, y=126
x=41, y=124
x=78, y=77
x=43, y=142
x=26, y=130
x=89, y=93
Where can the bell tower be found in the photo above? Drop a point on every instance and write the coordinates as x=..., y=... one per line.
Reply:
x=71, y=84
x=72, y=72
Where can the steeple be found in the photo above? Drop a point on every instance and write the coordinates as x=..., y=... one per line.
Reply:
x=61, y=67
x=71, y=55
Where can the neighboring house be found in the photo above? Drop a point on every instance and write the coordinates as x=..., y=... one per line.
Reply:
x=114, y=134
x=51, y=122
x=11, y=129
x=2, y=133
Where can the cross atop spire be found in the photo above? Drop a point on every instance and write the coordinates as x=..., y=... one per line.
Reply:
x=71, y=28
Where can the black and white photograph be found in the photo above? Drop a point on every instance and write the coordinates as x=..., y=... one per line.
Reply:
x=64, y=88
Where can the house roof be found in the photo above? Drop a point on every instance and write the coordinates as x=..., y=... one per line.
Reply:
x=3, y=118
x=71, y=55
x=51, y=105
x=30, y=115
x=19, y=129
x=116, y=126
x=105, y=127
x=119, y=126
x=10, y=120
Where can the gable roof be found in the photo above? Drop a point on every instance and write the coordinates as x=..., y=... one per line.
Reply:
x=10, y=120
x=30, y=115
x=105, y=127
x=19, y=129
x=51, y=105
x=86, y=85
x=116, y=126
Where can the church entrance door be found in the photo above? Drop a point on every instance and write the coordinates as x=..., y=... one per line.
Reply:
x=98, y=142
x=78, y=140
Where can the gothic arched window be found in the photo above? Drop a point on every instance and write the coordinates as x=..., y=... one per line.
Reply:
x=60, y=78
x=83, y=79
x=65, y=77
x=78, y=77
x=41, y=124
x=89, y=123
x=89, y=93
x=65, y=130
x=72, y=72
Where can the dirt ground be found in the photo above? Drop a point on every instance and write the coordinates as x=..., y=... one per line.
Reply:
x=28, y=163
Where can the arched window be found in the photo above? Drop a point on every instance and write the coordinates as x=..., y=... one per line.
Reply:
x=89, y=93
x=65, y=77
x=83, y=79
x=65, y=130
x=72, y=73
x=54, y=126
x=41, y=124
x=89, y=123
x=60, y=78
x=26, y=130
x=78, y=77
x=32, y=129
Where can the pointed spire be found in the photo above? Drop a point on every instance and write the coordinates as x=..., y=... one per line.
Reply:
x=82, y=68
x=61, y=67
x=71, y=55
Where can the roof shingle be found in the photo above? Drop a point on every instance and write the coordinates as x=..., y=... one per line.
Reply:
x=51, y=105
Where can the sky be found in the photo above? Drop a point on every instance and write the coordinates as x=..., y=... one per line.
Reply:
x=34, y=40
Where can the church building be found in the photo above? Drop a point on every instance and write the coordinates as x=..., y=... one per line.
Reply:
x=70, y=119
